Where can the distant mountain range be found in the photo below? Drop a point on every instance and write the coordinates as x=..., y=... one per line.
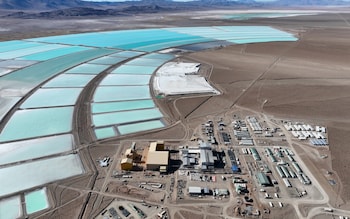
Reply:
x=54, y=8
x=39, y=4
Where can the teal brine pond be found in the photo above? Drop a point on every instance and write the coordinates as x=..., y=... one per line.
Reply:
x=134, y=69
x=108, y=60
x=127, y=54
x=121, y=93
x=121, y=106
x=36, y=201
x=123, y=117
x=42, y=56
x=107, y=132
x=122, y=80
x=147, y=62
x=69, y=80
x=31, y=50
x=87, y=69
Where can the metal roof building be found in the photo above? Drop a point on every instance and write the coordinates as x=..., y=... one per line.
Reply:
x=263, y=179
x=207, y=160
x=194, y=190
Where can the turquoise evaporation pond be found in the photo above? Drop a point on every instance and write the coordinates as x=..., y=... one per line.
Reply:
x=127, y=54
x=153, y=39
x=34, y=148
x=106, y=119
x=121, y=106
x=35, y=75
x=35, y=123
x=69, y=80
x=10, y=208
x=164, y=57
x=235, y=32
x=107, y=132
x=32, y=174
x=141, y=126
x=32, y=50
x=36, y=201
x=17, y=45
x=125, y=39
x=160, y=46
x=127, y=79
x=42, y=56
x=87, y=69
x=16, y=63
x=133, y=69
x=51, y=97
x=121, y=93
x=108, y=60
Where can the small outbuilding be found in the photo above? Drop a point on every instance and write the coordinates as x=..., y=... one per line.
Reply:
x=194, y=190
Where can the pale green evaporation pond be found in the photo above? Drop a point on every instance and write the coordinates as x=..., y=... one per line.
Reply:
x=29, y=175
x=106, y=132
x=32, y=50
x=87, y=69
x=35, y=148
x=51, y=97
x=10, y=208
x=108, y=60
x=121, y=93
x=17, y=45
x=69, y=80
x=134, y=69
x=106, y=119
x=15, y=64
x=127, y=79
x=146, y=62
x=139, y=127
x=121, y=106
x=36, y=201
x=35, y=123
x=43, y=56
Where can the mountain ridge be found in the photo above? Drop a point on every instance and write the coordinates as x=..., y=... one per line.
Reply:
x=41, y=5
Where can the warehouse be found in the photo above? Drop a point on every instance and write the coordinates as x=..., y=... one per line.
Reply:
x=157, y=159
x=194, y=190
x=207, y=158
x=263, y=179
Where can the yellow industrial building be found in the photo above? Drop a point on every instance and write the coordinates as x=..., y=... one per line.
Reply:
x=126, y=164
